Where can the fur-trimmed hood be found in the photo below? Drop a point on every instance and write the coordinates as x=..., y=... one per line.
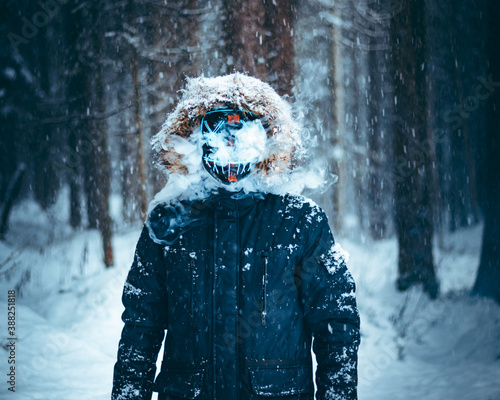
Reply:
x=236, y=91
x=178, y=145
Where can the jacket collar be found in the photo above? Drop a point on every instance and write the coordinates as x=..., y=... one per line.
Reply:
x=234, y=200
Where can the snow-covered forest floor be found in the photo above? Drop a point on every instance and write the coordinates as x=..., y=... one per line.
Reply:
x=68, y=310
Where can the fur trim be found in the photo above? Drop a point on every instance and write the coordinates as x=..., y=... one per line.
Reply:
x=236, y=91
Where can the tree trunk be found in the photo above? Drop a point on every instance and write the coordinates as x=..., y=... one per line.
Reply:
x=130, y=211
x=377, y=185
x=488, y=276
x=176, y=43
x=159, y=94
x=45, y=180
x=258, y=38
x=338, y=137
x=75, y=209
x=142, y=194
x=463, y=201
x=76, y=106
x=245, y=37
x=279, y=45
x=11, y=192
x=413, y=175
x=98, y=169
x=358, y=128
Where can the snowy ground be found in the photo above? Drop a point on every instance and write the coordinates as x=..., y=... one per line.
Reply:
x=68, y=317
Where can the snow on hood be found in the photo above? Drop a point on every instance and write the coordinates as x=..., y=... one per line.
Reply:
x=178, y=145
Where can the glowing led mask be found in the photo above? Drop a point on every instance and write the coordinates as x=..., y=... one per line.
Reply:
x=233, y=142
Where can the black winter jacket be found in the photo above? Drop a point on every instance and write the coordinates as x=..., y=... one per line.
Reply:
x=243, y=287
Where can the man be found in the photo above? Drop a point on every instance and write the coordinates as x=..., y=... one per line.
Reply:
x=244, y=278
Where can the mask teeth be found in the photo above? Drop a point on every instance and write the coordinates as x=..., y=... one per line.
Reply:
x=213, y=165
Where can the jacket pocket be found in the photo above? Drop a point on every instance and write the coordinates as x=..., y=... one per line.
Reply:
x=281, y=380
x=180, y=383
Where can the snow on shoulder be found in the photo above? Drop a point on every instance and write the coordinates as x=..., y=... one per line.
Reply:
x=278, y=155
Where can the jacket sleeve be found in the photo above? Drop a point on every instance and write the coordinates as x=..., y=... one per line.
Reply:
x=145, y=322
x=327, y=293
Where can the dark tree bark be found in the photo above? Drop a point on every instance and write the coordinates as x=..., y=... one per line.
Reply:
x=160, y=97
x=462, y=196
x=279, y=45
x=412, y=185
x=8, y=156
x=142, y=194
x=76, y=105
x=130, y=210
x=11, y=192
x=176, y=55
x=75, y=207
x=338, y=134
x=245, y=36
x=359, y=131
x=44, y=141
x=487, y=282
x=378, y=187
x=97, y=166
x=258, y=41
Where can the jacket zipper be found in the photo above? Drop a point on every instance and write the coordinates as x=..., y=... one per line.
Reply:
x=263, y=312
x=214, y=277
x=192, y=265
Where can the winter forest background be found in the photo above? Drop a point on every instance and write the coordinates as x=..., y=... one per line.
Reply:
x=401, y=98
